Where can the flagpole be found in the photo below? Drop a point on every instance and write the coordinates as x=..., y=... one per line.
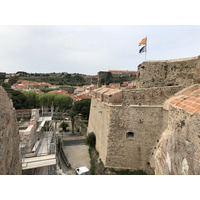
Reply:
x=146, y=50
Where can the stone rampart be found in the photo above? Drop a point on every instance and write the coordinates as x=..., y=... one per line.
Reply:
x=10, y=161
x=169, y=72
x=99, y=121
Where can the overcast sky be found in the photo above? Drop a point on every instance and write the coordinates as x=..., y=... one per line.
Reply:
x=89, y=49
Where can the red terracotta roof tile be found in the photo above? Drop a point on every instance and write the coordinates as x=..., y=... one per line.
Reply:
x=189, y=102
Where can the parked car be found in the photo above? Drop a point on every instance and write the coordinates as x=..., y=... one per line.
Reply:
x=83, y=171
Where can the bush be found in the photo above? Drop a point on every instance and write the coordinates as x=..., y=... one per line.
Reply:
x=92, y=163
x=91, y=139
x=64, y=126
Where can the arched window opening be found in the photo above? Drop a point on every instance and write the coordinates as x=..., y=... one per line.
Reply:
x=130, y=135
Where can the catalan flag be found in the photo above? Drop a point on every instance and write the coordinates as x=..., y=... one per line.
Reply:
x=143, y=49
x=143, y=41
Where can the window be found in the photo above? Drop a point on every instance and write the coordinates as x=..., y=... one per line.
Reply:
x=130, y=135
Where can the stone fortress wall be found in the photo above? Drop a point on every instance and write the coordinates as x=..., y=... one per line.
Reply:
x=111, y=120
x=10, y=161
x=129, y=130
x=183, y=72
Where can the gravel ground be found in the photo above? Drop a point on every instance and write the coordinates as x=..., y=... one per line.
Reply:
x=77, y=155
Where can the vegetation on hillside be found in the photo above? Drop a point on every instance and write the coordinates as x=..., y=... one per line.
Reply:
x=56, y=78
x=2, y=77
x=46, y=90
x=112, y=79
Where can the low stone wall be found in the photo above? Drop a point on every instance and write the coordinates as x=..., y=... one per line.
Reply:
x=10, y=161
x=24, y=114
x=29, y=136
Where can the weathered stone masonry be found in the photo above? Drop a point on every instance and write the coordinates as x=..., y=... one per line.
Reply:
x=178, y=149
x=184, y=72
x=112, y=121
x=142, y=128
x=10, y=162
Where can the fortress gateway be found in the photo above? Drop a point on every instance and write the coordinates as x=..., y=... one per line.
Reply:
x=155, y=127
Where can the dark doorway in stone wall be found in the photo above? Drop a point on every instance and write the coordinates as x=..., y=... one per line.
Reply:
x=130, y=135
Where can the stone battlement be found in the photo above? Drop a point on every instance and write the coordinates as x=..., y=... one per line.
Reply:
x=174, y=60
x=184, y=72
x=145, y=96
x=108, y=95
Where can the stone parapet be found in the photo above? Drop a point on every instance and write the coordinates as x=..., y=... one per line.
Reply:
x=108, y=95
x=149, y=96
x=184, y=72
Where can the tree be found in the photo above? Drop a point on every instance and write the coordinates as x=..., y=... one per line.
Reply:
x=46, y=99
x=64, y=126
x=18, y=98
x=13, y=80
x=72, y=115
x=91, y=139
x=82, y=107
x=63, y=102
x=6, y=85
x=2, y=77
x=32, y=99
x=46, y=90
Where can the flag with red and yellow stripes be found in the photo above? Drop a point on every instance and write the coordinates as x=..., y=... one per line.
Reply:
x=143, y=41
